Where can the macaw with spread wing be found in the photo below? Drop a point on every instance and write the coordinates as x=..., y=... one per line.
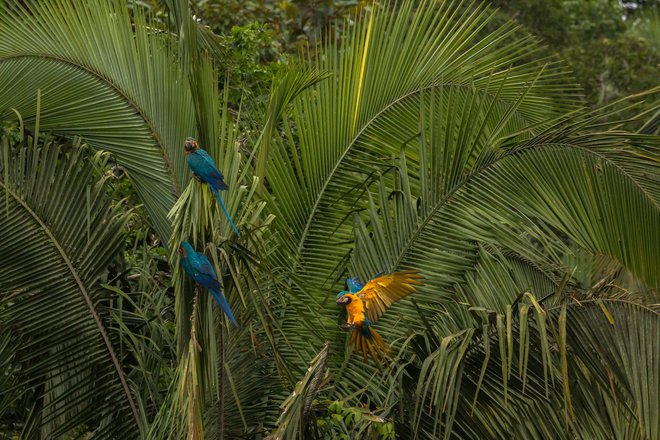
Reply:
x=204, y=169
x=365, y=303
x=199, y=268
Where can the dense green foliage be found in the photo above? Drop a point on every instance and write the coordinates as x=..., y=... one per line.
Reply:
x=609, y=45
x=357, y=138
x=598, y=39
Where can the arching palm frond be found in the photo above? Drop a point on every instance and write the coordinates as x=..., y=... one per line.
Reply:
x=432, y=145
x=62, y=236
x=370, y=105
x=345, y=129
x=106, y=77
x=502, y=229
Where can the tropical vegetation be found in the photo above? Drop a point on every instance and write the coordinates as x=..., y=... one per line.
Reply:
x=425, y=135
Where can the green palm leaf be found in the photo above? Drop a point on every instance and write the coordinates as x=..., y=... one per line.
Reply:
x=297, y=408
x=104, y=76
x=370, y=107
x=482, y=245
x=64, y=234
x=431, y=145
x=388, y=70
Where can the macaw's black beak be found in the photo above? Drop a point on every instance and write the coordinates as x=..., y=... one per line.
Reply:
x=344, y=300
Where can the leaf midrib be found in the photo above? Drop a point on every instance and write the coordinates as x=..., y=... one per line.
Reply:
x=85, y=294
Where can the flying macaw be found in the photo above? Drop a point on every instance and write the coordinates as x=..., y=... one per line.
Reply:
x=365, y=303
x=199, y=268
x=204, y=170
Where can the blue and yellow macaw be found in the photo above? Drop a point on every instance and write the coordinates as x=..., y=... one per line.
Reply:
x=365, y=303
x=204, y=170
x=199, y=268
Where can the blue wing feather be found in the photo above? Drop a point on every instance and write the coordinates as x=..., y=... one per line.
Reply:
x=202, y=265
x=365, y=328
x=200, y=152
x=354, y=285
x=202, y=164
x=199, y=267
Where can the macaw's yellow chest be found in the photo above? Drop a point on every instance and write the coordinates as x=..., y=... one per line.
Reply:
x=355, y=310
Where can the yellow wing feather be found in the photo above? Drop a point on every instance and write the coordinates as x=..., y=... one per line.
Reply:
x=380, y=293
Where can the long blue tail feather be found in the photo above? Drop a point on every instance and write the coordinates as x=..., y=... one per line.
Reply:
x=224, y=305
x=217, y=195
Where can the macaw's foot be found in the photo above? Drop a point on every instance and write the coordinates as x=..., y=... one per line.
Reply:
x=346, y=327
x=197, y=178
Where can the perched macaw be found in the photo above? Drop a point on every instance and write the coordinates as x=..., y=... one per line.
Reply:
x=365, y=303
x=199, y=268
x=204, y=170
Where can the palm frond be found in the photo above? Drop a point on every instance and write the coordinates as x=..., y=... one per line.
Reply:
x=64, y=234
x=466, y=386
x=343, y=132
x=286, y=86
x=345, y=126
x=106, y=77
x=296, y=409
x=233, y=364
x=483, y=240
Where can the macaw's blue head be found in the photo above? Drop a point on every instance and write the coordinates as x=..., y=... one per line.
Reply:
x=343, y=299
x=190, y=146
x=354, y=285
x=186, y=249
x=342, y=293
